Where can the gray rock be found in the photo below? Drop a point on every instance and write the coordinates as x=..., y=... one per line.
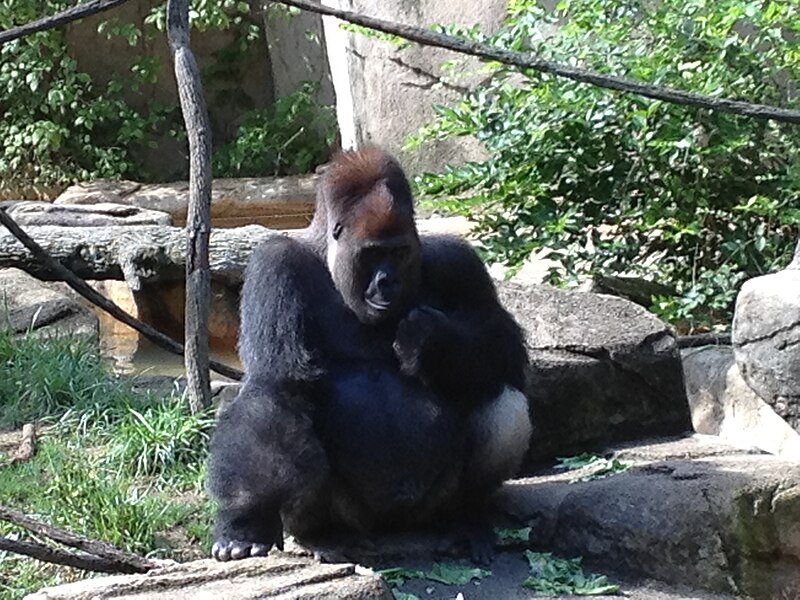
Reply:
x=27, y=304
x=722, y=404
x=76, y=215
x=603, y=369
x=276, y=576
x=766, y=339
x=686, y=513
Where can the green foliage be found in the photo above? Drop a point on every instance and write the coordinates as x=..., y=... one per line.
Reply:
x=617, y=183
x=111, y=462
x=598, y=466
x=395, y=40
x=551, y=576
x=446, y=573
x=509, y=535
x=57, y=124
x=159, y=438
x=48, y=377
x=292, y=136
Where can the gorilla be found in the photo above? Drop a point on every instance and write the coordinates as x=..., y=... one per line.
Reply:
x=382, y=377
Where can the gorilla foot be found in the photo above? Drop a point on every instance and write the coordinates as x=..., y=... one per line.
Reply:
x=225, y=550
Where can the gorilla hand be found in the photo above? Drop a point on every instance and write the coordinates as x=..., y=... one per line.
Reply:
x=419, y=337
x=234, y=543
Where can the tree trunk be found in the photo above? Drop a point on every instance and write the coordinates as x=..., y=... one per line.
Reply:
x=198, y=217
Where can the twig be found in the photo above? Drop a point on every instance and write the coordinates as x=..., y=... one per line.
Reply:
x=198, y=212
x=96, y=298
x=531, y=61
x=65, y=16
x=60, y=556
x=126, y=562
x=703, y=339
x=27, y=446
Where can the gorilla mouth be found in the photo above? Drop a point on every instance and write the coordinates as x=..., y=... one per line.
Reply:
x=379, y=305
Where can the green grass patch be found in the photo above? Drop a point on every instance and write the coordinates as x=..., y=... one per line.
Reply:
x=112, y=464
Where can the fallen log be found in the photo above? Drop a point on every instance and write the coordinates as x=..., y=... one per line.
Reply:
x=137, y=255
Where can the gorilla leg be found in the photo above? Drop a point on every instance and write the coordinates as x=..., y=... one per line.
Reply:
x=264, y=456
x=500, y=432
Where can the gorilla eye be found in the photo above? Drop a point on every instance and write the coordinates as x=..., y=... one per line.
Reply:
x=337, y=231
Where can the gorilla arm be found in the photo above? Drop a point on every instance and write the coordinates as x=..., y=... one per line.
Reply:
x=460, y=341
x=264, y=452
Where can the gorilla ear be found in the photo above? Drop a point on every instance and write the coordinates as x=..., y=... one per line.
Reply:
x=337, y=231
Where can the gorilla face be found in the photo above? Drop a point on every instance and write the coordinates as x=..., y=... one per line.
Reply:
x=378, y=278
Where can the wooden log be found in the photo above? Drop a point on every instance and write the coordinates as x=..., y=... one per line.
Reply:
x=144, y=254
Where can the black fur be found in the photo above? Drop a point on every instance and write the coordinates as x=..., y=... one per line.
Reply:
x=347, y=416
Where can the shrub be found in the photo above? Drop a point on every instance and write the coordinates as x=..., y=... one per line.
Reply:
x=616, y=183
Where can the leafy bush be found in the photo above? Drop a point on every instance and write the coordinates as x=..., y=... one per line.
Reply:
x=292, y=136
x=609, y=182
x=57, y=124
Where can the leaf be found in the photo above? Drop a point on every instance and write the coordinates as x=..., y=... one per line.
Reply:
x=521, y=534
x=455, y=574
x=555, y=576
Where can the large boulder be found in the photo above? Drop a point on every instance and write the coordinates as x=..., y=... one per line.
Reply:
x=27, y=304
x=688, y=511
x=766, y=339
x=276, y=576
x=722, y=404
x=603, y=369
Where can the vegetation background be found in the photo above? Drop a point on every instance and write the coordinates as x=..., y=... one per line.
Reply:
x=600, y=182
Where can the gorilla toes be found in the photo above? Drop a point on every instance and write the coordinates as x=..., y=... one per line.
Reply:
x=236, y=549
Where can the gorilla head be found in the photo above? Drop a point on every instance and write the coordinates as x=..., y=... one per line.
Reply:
x=373, y=250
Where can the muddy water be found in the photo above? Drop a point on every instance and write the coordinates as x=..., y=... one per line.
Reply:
x=128, y=352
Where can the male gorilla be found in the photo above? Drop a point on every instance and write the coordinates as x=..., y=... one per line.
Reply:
x=382, y=375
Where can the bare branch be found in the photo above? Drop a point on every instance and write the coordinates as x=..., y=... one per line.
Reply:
x=84, y=289
x=65, y=16
x=198, y=216
x=125, y=562
x=60, y=556
x=530, y=61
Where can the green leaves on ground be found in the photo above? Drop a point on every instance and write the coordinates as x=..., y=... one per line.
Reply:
x=507, y=535
x=446, y=573
x=551, y=576
x=599, y=466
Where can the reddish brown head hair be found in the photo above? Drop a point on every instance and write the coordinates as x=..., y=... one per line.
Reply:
x=369, y=188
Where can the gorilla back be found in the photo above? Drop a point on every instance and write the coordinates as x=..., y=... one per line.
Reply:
x=381, y=375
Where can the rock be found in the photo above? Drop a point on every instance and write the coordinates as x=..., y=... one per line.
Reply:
x=688, y=512
x=77, y=215
x=276, y=576
x=603, y=369
x=766, y=340
x=276, y=202
x=385, y=93
x=722, y=404
x=27, y=304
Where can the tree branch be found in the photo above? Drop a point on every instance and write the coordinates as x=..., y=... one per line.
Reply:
x=102, y=553
x=530, y=61
x=65, y=16
x=198, y=215
x=96, y=298
x=60, y=556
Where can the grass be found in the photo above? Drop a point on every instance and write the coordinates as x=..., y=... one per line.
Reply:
x=112, y=464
